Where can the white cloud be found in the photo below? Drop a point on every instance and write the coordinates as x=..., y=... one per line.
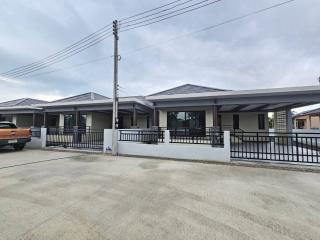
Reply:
x=278, y=48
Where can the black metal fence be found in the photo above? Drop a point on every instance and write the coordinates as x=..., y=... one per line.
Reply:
x=198, y=136
x=142, y=136
x=286, y=147
x=75, y=138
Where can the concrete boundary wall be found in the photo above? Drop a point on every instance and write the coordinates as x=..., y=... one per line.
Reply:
x=175, y=150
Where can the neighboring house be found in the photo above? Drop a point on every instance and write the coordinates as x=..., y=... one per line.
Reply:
x=307, y=120
x=184, y=107
x=23, y=112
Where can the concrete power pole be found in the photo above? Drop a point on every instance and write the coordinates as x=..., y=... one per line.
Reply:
x=115, y=91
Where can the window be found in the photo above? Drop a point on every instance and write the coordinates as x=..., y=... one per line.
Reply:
x=300, y=124
x=190, y=120
x=236, y=121
x=70, y=121
x=261, y=122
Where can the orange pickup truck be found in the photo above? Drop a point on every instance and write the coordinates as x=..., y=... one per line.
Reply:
x=10, y=135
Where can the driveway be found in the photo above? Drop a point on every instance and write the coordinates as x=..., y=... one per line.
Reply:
x=54, y=195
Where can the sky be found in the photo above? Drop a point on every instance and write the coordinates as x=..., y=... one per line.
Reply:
x=278, y=48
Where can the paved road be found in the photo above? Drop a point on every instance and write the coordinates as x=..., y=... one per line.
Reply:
x=100, y=197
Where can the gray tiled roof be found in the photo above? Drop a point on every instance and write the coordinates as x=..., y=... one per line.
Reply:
x=187, y=89
x=22, y=102
x=91, y=96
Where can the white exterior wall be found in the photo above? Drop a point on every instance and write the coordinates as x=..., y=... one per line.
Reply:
x=101, y=121
x=248, y=121
x=61, y=120
x=175, y=151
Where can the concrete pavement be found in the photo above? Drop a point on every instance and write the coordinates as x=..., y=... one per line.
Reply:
x=79, y=196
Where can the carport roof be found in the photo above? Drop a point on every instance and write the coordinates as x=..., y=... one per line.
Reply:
x=272, y=99
x=309, y=112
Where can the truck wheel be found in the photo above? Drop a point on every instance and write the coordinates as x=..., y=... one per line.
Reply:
x=18, y=147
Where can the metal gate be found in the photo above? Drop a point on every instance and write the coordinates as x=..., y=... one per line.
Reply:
x=75, y=138
x=284, y=147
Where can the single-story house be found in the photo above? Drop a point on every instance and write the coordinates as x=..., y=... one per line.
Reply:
x=307, y=119
x=184, y=107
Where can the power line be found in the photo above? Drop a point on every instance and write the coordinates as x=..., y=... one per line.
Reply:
x=166, y=16
x=212, y=26
x=61, y=58
x=153, y=14
x=83, y=40
x=151, y=10
x=70, y=67
x=175, y=38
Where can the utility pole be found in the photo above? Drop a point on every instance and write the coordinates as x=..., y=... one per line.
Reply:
x=115, y=91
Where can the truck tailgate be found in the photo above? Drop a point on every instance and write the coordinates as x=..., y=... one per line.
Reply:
x=6, y=134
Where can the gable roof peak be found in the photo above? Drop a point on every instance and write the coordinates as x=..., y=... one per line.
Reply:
x=187, y=89
x=22, y=102
x=89, y=96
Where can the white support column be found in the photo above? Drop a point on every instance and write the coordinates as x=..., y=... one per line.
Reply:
x=61, y=120
x=43, y=137
x=14, y=119
x=167, y=137
x=227, y=146
x=107, y=140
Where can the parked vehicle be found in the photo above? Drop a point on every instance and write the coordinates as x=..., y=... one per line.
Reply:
x=10, y=135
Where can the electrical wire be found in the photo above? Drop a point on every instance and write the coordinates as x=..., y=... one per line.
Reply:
x=166, y=16
x=61, y=58
x=83, y=40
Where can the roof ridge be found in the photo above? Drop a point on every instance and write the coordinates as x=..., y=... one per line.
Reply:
x=186, y=85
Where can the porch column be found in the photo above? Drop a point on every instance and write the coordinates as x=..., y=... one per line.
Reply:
x=33, y=119
x=61, y=120
x=154, y=117
x=44, y=119
x=215, y=116
x=283, y=121
x=134, y=116
x=77, y=115
x=14, y=119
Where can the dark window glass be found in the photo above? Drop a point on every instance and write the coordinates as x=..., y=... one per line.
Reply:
x=261, y=121
x=69, y=121
x=83, y=121
x=148, y=121
x=300, y=124
x=236, y=121
x=190, y=120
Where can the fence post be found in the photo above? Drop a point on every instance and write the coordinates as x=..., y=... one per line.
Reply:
x=227, y=143
x=297, y=147
x=43, y=137
x=166, y=136
x=258, y=145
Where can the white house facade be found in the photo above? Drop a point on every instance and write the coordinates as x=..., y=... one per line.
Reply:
x=184, y=107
